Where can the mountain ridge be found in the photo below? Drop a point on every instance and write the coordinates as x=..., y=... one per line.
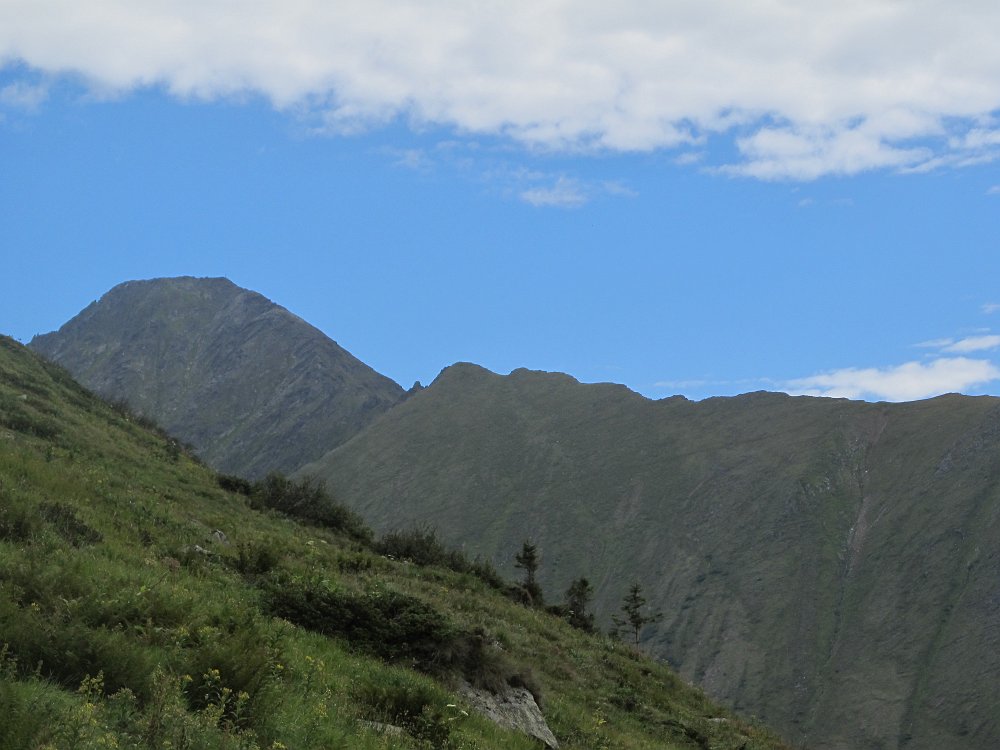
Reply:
x=750, y=519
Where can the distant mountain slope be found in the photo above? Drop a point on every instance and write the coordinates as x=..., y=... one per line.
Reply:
x=250, y=385
x=830, y=566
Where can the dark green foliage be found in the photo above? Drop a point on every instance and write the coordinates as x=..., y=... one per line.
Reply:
x=232, y=483
x=525, y=678
x=528, y=560
x=578, y=598
x=307, y=499
x=16, y=523
x=384, y=623
x=637, y=614
x=254, y=559
x=394, y=627
x=68, y=525
x=415, y=707
x=397, y=699
x=18, y=413
x=226, y=662
x=421, y=545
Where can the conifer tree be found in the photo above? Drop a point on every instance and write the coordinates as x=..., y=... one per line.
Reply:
x=528, y=559
x=578, y=597
x=634, y=608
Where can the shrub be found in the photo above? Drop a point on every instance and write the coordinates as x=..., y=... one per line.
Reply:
x=232, y=483
x=384, y=623
x=16, y=524
x=403, y=701
x=308, y=500
x=68, y=525
x=421, y=545
x=253, y=559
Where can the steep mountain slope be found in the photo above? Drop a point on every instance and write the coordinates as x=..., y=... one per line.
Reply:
x=142, y=606
x=252, y=387
x=827, y=565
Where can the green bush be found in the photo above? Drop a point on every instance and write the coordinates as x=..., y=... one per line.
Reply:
x=16, y=524
x=307, y=500
x=384, y=623
x=232, y=483
x=421, y=545
x=255, y=559
x=68, y=525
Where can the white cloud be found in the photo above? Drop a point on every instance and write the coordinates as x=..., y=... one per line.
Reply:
x=990, y=307
x=973, y=344
x=811, y=88
x=23, y=95
x=410, y=158
x=906, y=382
x=935, y=343
x=994, y=190
x=564, y=193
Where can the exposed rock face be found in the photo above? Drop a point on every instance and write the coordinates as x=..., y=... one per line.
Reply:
x=515, y=708
x=251, y=386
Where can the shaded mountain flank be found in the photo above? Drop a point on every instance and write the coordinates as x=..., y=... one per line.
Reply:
x=830, y=566
x=251, y=386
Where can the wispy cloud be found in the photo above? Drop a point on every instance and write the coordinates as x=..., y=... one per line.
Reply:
x=973, y=344
x=564, y=193
x=23, y=95
x=935, y=343
x=410, y=158
x=990, y=307
x=967, y=345
x=905, y=382
x=804, y=89
x=994, y=190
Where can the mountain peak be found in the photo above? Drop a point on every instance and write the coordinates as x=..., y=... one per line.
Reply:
x=251, y=385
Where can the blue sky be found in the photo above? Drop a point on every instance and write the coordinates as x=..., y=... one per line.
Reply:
x=783, y=199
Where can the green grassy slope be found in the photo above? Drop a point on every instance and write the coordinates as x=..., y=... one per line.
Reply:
x=827, y=565
x=251, y=386
x=126, y=621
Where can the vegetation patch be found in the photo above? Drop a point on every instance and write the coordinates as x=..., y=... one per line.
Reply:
x=422, y=546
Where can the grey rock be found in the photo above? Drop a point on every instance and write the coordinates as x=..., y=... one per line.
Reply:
x=514, y=708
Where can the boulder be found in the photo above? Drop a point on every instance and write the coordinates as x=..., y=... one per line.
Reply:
x=512, y=708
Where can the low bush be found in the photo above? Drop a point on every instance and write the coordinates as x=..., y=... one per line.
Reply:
x=232, y=483
x=17, y=524
x=68, y=525
x=422, y=546
x=307, y=500
x=384, y=623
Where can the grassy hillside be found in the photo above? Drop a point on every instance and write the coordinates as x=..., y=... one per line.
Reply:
x=827, y=565
x=142, y=606
x=252, y=387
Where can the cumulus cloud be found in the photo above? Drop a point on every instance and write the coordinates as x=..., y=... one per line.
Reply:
x=807, y=89
x=906, y=382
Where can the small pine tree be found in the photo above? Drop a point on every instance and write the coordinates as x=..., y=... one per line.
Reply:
x=635, y=619
x=578, y=597
x=528, y=559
